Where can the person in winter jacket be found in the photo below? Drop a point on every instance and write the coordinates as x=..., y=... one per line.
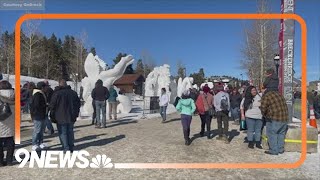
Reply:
x=271, y=82
x=39, y=112
x=163, y=103
x=65, y=108
x=186, y=107
x=204, y=104
x=25, y=98
x=222, y=106
x=113, y=103
x=100, y=94
x=94, y=114
x=235, y=100
x=7, y=125
x=49, y=93
x=275, y=111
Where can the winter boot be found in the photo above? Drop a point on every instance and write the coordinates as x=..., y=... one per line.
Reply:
x=251, y=145
x=258, y=145
x=188, y=142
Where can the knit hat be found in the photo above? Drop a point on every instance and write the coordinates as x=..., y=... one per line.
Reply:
x=41, y=85
x=206, y=89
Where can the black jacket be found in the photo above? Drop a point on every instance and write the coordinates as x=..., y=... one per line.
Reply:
x=49, y=94
x=38, y=109
x=235, y=100
x=64, y=105
x=100, y=93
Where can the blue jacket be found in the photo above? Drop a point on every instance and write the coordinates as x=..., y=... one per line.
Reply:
x=186, y=106
x=113, y=95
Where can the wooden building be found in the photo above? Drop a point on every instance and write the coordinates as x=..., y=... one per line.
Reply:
x=130, y=83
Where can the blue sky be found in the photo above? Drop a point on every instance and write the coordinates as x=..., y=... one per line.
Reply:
x=211, y=44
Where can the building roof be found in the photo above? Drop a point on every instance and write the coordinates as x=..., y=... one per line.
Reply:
x=129, y=79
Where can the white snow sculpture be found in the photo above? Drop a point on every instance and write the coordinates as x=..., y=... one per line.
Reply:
x=159, y=78
x=184, y=85
x=95, y=69
x=195, y=86
x=173, y=89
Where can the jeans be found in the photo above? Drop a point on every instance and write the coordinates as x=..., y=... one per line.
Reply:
x=113, y=109
x=276, y=132
x=49, y=124
x=235, y=113
x=205, y=120
x=7, y=142
x=163, y=112
x=223, y=117
x=254, y=127
x=66, y=136
x=186, y=122
x=101, y=106
x=38, y=130
x=94, y=114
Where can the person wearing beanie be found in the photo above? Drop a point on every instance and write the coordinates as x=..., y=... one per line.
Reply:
x=7, y=124
x=271, y=82
x=186, y=107
x=100, y=94
x=204, y=104
x=222, y=106
x=39, y=112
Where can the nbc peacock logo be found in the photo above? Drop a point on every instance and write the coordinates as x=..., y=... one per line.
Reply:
x=60, y=159
x=101, y=161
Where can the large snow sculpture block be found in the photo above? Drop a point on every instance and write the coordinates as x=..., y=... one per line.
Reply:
x=95, y=69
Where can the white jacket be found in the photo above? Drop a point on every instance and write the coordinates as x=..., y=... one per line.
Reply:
x=164, y=100
x=7, y=126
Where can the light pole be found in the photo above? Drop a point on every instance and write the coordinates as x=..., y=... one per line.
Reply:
x=241, y=79
x=276, y=60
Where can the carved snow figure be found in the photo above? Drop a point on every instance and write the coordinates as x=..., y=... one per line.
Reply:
x=95, y=69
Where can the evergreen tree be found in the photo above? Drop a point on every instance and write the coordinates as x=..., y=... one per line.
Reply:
x=93, y=51
x=181, y=70
x=198, y=78
x=140, y=67
x=129, y=69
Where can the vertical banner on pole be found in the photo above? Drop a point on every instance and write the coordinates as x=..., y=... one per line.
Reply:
x=286, y=41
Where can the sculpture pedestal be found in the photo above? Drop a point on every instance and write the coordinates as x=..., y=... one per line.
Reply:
x=152, y=104
x=293, y=139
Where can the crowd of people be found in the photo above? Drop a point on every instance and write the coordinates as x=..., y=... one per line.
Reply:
x=61, y=105
x=258, y=108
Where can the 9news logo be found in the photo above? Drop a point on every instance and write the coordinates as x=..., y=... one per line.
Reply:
x=59, y=159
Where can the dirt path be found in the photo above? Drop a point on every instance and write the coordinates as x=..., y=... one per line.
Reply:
x=150, y=141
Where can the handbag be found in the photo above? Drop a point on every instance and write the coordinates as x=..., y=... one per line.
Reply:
x=5, y=111
x=211, y=111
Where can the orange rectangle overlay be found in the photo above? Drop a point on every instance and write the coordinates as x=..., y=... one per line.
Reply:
x=178, y=17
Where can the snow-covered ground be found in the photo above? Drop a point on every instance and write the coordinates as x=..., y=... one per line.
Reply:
x=25, y=79
x=137, y=112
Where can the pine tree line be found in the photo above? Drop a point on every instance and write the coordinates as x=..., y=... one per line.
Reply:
x=44, y=57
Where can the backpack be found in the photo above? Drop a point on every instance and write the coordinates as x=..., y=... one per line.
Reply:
x=224, y=105
x=5, y=111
